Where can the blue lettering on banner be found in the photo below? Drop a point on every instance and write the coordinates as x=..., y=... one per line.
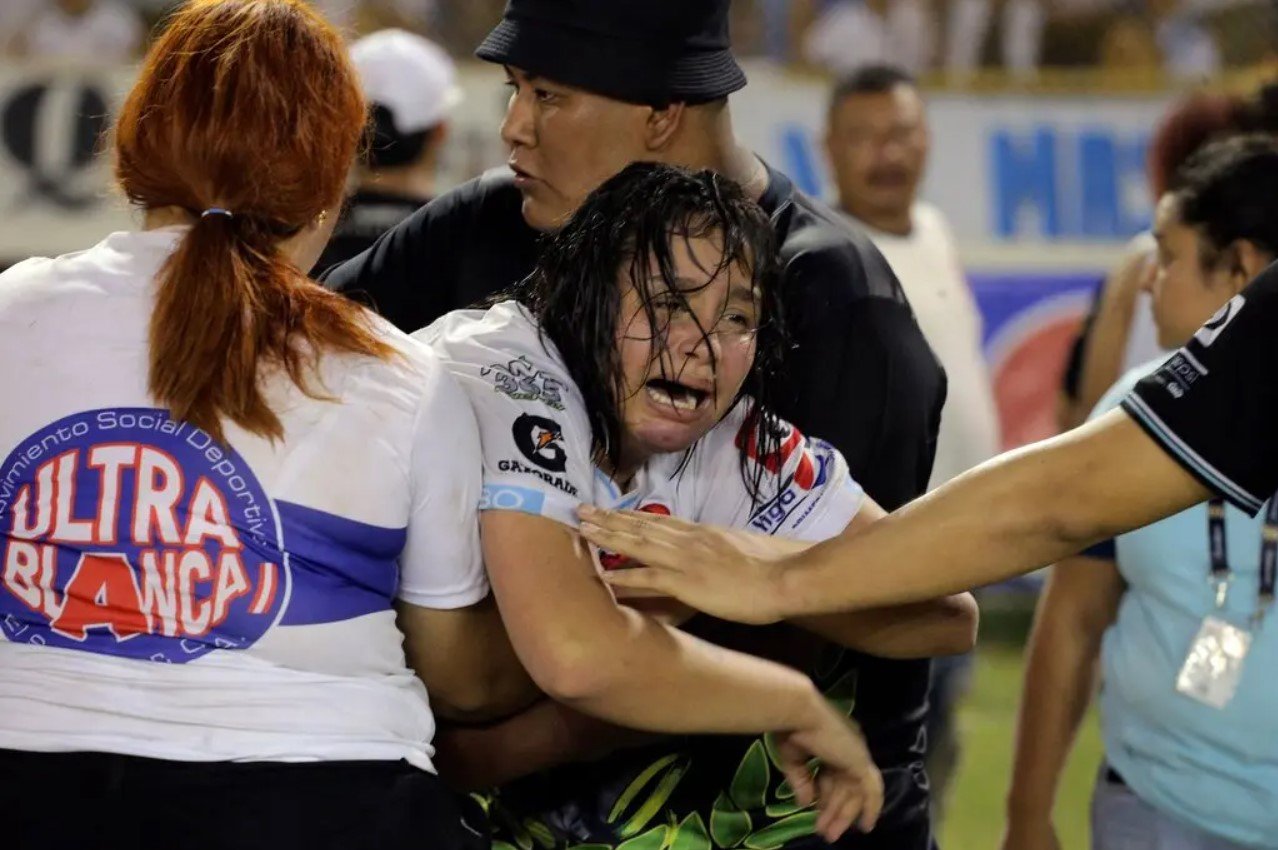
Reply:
x=799, y=159
x=507, y=497
x=1024, y=173
x=1072, y=185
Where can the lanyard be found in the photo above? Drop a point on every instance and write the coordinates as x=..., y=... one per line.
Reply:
x=1220, y=571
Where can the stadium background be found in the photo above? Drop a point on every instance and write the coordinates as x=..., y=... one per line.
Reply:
x=1039, y=169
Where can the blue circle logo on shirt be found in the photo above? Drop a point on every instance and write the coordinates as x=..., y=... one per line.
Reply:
x=124, y=532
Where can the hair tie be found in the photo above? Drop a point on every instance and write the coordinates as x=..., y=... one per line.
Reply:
x=216, y=211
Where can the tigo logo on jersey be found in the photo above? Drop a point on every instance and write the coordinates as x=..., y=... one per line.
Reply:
x=800, y=466
x=126, y=533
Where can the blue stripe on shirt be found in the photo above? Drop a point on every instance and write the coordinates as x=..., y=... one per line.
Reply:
x=340, y=568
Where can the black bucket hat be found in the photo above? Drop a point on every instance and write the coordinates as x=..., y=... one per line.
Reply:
x=641, y=51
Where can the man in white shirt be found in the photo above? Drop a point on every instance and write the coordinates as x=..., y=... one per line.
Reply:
x=877, y=143
x=90, y=31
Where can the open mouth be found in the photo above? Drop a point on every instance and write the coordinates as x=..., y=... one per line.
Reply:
x=674, y=394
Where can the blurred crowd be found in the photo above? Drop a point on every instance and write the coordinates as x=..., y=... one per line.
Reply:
x=1186, y=39
x=953, y=39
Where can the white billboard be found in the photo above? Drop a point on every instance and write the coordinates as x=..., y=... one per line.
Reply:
x=1027, y=180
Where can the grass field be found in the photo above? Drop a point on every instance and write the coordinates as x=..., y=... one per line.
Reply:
x=975, y=814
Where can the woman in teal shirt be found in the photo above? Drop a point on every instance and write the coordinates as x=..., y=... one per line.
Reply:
x=1191, y=744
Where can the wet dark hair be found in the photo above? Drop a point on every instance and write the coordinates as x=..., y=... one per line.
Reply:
x=1228, y=191
x=629, y=222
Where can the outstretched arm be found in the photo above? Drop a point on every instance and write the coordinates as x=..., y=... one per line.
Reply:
x=1008, y=516
x=591, y=654
x=942, y=626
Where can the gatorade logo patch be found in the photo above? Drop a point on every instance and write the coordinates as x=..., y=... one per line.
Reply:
x=125, y=533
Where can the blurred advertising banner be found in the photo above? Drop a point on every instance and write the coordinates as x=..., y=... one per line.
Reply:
x=55, y=188
x=1042, y=192
x=1014, y=173
x=1005, y=168
x=1031, y=321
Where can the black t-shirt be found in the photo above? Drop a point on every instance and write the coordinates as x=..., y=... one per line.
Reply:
x=451, y=253
x=1213, y=406
x=863, y=378
x=366, y=215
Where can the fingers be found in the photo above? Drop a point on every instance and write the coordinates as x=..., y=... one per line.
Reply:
x=873, y=785
x=793, y=761
x=640, y=581
x=652, y=538
x=841, y=800
x=622, y=542
x=634, y=522
x=626, y=594
x=846, y=796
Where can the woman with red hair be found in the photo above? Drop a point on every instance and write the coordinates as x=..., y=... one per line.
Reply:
x=224, y=487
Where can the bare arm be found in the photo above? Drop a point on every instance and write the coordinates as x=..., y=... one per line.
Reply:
x=1079, y=603
x=943, y=626
x=1105, y=348
x=544, y=736
x=549, y=734
x=608, y=660
x=588, y=652
x=1011, y=514
x=466, y=661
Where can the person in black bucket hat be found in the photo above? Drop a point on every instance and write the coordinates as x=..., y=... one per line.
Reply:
x=645, y=53
x=596, y=85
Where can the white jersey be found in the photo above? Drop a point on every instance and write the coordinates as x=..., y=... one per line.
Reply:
x=536, y=442
x=166, y=596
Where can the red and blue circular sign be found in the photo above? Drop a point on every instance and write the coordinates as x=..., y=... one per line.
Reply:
x=124, y=532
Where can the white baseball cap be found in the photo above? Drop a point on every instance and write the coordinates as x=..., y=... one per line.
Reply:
x=409, y=75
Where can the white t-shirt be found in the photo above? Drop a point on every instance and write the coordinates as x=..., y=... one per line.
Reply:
x=165, y=596
x=536, y=441
x=109, y=32
x=927, y=264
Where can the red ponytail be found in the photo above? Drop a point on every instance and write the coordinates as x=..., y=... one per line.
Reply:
x=251, y=106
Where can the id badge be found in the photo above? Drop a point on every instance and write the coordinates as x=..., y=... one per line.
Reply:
x=1214, y=665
